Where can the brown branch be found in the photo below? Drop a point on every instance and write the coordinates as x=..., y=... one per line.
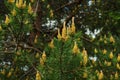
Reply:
x=25, y=46
x=68, y=4
x=14, y=44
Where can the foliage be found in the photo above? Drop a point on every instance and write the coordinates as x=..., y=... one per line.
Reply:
x=31, y=50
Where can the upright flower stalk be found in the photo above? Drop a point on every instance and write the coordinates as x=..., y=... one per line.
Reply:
x=7, y=20
x=73, y=26
x=75, y=49
x=38, y=76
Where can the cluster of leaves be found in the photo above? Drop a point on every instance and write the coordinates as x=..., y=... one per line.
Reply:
x=14, y=32
x=64, y=61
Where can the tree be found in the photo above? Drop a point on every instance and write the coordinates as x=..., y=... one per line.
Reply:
x=46, y=39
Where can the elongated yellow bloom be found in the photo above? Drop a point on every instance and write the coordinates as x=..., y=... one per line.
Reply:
x=85, y=75
x=30, y=10
x=118, y=66
x=41, y=62
x=118, y=58
x=21, y=2
x=116, y=75
x=3, y=72
x=37, y=55
x=73, y=26
x=9, y=74
x=104, y=51
x=59, y=35
x=51, y=44
x=111, y=55
x=75, y=49
x=11, y=1
x=17, y=4
x=36, y=39
x=0, y=28
x=38, y=76
x=13, y=12
x=112, y=39
x=64, y=31
x=68, y=30
x=31, y=1
x=51, y=13
x=44, y=56
x=85, y=59
x=108, y=63
x=7, y=20
x=24, y=5
x=95, y=50
x=100, y=76
x=84, y=52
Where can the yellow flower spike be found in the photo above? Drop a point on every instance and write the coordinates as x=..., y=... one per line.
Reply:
x=36, y=39
x=21, y=3
x=104, y=51
x=84, y=52
x=9, y=74
x=24, y=5
x=44, y=56
x=95, y=50
x=93, y=61
x=38, y=76
x=101, y=75
x=37, y=55
x=108, y=63
x=30, y=10
x=105, y=62
x=0, y=28
x=75, y=49
x=85, y=75
x=13, y=12
x=17, y=4
x=27, y=78
x=59, y=35
x=118, y=58
x=118, y=66
x=64, y=31
x=111, y=55
x=85, y=59
x=112, y=39
x=51, y=44
x=97, y=72
x=51, y=13
x=18, y=53
x=105, y=41
x=11, y=1
x=116, y=75
x=105, y=37
x=73, y=26
x=3, y=72
x=68, y=30
x=7, y=20
x=48, y=6
x=41, y=62
x=31, y=1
